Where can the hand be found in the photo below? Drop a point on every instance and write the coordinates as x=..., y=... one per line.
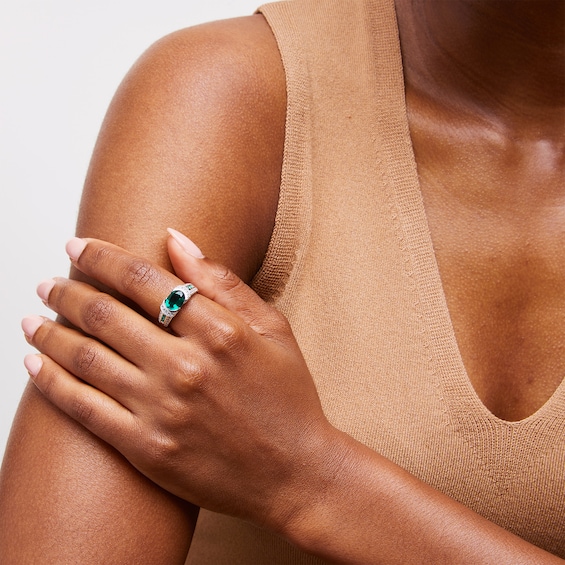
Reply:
x=220, y=409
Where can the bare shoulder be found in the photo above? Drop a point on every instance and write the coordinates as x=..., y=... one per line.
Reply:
x=232, y=59
x=192, y=140
x=195, y=134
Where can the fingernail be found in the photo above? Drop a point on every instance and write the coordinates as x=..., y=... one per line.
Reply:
x=75, y=247
x=44, y=288
x=30, y=324
x=188, y=246
x=33, y=364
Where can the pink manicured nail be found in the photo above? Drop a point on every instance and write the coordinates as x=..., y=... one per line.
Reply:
x=30, y=324
x=188, y=245
x=33, y=364
x=75, y=247
x=44, y=288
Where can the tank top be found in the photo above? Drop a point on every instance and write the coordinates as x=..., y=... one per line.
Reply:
x=351, y=264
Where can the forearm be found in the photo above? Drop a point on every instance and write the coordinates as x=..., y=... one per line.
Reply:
x=160, y=161
x=361, y=508
x=67, y=497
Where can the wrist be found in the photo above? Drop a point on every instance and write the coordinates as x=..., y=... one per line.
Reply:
x=307, y=513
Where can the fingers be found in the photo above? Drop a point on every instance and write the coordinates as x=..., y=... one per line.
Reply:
x=96, y=411
x=208, y=325
x=147, y=284
x=139, y=281
x=102, y=316
x=222, y=285
x=134, y=278
x=86, y=358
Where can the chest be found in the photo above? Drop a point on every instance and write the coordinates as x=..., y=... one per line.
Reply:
x=496, y=213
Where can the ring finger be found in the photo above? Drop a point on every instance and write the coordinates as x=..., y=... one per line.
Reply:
x=147, y=285
x=134, y=278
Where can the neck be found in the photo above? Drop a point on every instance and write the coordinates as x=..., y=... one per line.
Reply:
x=502, y=59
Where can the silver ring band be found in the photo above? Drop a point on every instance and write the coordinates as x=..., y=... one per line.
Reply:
x=171, y=306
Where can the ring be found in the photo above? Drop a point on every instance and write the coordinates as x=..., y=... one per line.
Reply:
x=179, y=296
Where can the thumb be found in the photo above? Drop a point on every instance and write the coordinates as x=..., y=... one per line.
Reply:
x=220, y=284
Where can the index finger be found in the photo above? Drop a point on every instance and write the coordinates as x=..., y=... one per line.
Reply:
x=135, y=278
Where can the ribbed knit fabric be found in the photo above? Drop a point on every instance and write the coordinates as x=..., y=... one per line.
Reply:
x=351, y=263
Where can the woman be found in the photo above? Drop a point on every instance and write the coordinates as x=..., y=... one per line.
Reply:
x=425, y=303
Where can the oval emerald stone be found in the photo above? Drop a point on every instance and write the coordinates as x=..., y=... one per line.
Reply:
x=175, y=300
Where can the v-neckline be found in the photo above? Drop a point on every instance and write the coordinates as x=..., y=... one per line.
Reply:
x=405, y=183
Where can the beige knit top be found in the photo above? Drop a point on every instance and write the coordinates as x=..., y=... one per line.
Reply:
x=351, y=263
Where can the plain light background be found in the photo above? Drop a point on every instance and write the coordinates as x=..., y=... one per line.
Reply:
x=60, y=63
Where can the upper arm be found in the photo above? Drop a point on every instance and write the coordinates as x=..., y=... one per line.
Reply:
x=192, y=140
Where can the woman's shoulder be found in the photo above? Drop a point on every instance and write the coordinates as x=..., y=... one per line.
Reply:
x=202, y=111
x=234, y=57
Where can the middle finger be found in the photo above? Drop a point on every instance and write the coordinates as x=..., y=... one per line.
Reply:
x=100, y=315
x=134, y=278
x=147, y=285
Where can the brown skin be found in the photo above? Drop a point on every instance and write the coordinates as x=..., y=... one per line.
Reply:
x=486, y=110
x=497, y=195
x=233, y=356
x=194, y=118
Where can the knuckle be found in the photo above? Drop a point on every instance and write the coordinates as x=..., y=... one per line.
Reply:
x=46, y=381
x=228, y=336
x=81, y=409
x=96, y=253
x=138, y=273
x=97, y=312
x=280, y=323
x=161, y=449
x=226, y=278
x=190, y=377
x=276, y=326
x=85, y=358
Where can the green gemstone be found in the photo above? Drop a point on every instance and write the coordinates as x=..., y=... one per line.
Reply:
x=175, y=300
